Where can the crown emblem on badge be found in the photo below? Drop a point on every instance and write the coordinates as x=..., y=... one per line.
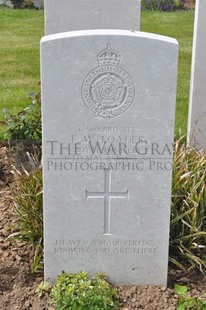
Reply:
x=108, y=56
x=108, y=90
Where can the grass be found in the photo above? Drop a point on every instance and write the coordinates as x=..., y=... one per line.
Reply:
x=178, y=25
x=20, y=33
x=188, y=212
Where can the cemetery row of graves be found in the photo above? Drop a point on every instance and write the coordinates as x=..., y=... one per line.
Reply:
x=117, y=191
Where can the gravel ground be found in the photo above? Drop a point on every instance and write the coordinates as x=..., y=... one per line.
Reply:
x=18, y=286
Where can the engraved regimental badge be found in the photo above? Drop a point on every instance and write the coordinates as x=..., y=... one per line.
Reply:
x=108, y=90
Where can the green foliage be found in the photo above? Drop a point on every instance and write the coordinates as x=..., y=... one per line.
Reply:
x=37, y=264
x=17, y=3
x=43, y=289
x=188, y=212
x=28, y=205
x=186, y=302
x=25, y=126
x=163, y=5
x=78, y=292
x=28, y=209
x=180, y=289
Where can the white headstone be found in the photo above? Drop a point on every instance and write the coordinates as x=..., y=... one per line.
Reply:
x=70, y=15
x=108, y=120
x=197, y=108
x=7, y=2
x=39, y=4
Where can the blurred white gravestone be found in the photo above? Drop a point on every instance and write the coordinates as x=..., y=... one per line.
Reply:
x=7, y=2
x=39, y=4
x=70, y=15
x=197, y=108
x=108, y=99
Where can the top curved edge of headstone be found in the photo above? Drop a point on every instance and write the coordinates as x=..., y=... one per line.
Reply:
x=128, y=33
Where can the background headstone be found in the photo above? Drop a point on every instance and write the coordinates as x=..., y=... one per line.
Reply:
x=39, y=4
x=7, y=2
x=197, y=108
x=108, y=100
x=70, y=15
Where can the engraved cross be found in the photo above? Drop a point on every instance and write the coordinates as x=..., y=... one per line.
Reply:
x=107, y=195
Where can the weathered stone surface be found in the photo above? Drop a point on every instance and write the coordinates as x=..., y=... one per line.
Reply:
x=108, y=102
x=69, y=15
x=197, y=109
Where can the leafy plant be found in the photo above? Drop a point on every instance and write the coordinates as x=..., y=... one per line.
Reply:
x=28, y=205
x=188, y=209
x=18, y=4
x=28, y=209
x=163, y=5
x=37, y=263
x=25, y=126
x=186, y=302
x=78, y=292
x=43, y=289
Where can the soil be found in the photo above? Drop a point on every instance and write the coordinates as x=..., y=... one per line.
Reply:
x=18, y=286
